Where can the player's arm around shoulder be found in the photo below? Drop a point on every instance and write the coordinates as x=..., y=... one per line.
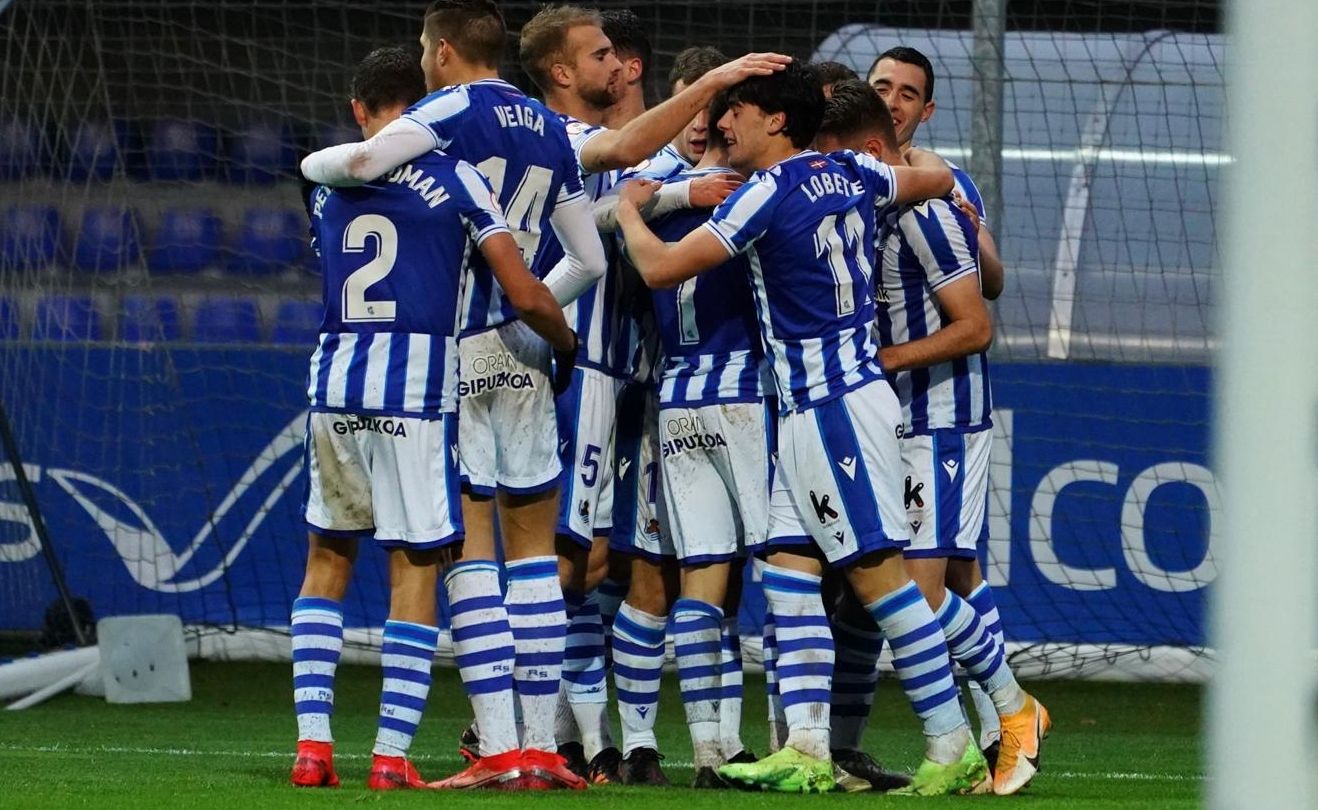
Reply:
x=925, y=176
x=662, y=264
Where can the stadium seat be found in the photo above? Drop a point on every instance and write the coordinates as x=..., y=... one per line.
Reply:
x=261, y=154
x=188, y=240
x=31, y=237
x=20, y=149
x=298, y=322
x=107, y=240
x=95, y=151
x=227, y=320
x=144, y=319
x=271, y=240
x=181, y=150
x=8, y=320
x=67, y=317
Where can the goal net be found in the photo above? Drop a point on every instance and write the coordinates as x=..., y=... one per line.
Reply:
x=158, y=305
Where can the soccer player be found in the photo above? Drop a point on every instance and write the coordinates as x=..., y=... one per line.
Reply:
x=509, y=441
x=904, y=78
x=830, y=73
x=934, y=331
x=382, y=437
x=567, y=54
x=806, y=224
x=715, y=439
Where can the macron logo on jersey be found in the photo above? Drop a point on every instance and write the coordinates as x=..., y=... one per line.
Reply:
x=848, y=466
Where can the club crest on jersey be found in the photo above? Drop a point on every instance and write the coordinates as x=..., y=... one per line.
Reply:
x=652, y=529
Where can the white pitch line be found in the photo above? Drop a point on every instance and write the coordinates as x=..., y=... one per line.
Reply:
x=196, y=752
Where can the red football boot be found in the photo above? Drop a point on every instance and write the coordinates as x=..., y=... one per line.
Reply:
x=394, y=773
x=314, y=766
x=499, y=772
x=551, y=768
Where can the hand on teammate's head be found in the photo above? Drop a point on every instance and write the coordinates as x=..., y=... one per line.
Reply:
x=752, y=64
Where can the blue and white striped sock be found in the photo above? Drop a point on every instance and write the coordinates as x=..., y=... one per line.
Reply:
x=777, y=720
x=919, y=654
x=317, y=628
x=696, y=637
x=484, y=652
x=405, y=656
x=855, y=677
x=609, y=595
x=729, y=707
x=538, y=621
x=990, y=727
x=583, y=673
x=805, y=657
x=638, y=662
x=974, y=647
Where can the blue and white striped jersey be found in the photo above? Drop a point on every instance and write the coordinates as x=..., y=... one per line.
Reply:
x=666, y=163
x=394, y=257
x=926, y=247
x=707, y=324
x=602, y=317
x=522, y=147
x=807, y=227
x=967, y=188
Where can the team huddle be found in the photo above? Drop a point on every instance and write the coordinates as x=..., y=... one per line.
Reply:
x=746, y=326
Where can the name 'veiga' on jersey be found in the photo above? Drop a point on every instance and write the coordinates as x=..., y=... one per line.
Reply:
x=394, y=256
x=807, y=228
x=522, y=147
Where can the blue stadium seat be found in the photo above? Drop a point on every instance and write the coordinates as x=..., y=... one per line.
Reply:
x=189, y=240
x=20, y=149
x=96, y=150
x=181, y=150
x=67, y=317
x=261, y=153
x=31, y=236
x=227, y=320
x=298, y=322
x=271, y=240
x=8, y=320
x=143, y=319
x=107, y=240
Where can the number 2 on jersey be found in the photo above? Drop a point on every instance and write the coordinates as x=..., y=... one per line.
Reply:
x=356, y=309
x=525, y=205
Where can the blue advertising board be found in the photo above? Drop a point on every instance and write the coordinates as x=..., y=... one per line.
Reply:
x=171, y=480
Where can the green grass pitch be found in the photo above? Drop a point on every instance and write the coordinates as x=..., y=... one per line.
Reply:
x=1112, y=745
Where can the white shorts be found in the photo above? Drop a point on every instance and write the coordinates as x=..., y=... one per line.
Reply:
x=838, y=480
x=586, y=415
x=716, y=468
x=394, y=478
x=946, y=492
x=640, y=519
x=509, y=438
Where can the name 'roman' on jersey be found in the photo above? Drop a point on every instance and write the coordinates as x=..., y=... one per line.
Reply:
x=393, y=257
x=807, y=227
x=926, y=247
x=522, y=147
x=707, y=324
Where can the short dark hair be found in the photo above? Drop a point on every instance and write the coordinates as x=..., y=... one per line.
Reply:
x=911, y=56
x=630, y=40
x=833, y=72
x=714, y=138
x=795, y=91
x=856, y=108
x=475, y=29
x=693, y=63
x=388, y=77
x=544, y=38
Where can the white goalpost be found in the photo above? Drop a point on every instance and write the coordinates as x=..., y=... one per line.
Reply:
x=1265, y=610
